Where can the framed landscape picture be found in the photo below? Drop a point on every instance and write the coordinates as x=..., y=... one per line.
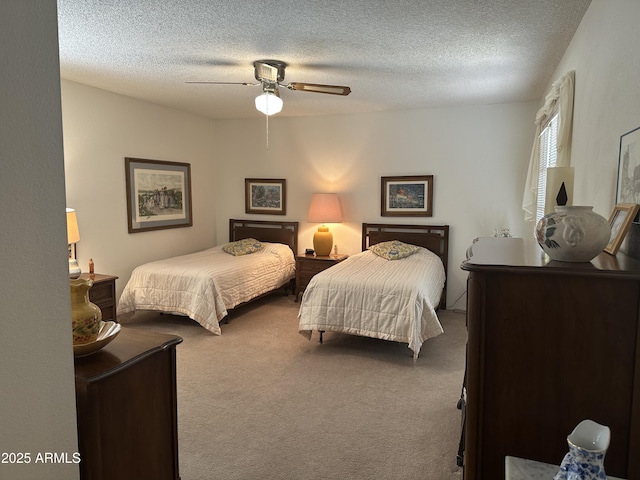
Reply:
x=407, y=196
x=265, y=196
x=158, y=194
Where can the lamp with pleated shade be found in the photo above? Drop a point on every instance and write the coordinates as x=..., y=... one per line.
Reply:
x=324, y=208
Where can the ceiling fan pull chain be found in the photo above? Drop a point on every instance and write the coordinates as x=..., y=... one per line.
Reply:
x=267, y=117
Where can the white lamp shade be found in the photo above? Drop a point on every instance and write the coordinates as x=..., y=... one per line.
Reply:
x=269, y=103
x=325, y=208
x=73, y=233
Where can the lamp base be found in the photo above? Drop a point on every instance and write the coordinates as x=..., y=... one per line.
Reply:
x=74, y=268
x=322, y=241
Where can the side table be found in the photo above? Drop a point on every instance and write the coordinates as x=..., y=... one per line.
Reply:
x=309, y=265
x=103, y=294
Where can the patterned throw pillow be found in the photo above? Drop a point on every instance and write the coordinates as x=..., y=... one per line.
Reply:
x=394, y=249
x=242, y=247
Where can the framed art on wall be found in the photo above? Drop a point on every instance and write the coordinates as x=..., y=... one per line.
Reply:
x=266, y=196
x=628, y=188
x=407, y=196
x=158, y=194
x=620, y=221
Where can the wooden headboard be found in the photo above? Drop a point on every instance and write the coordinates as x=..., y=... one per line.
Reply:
x=431, y=237
x=265, y=231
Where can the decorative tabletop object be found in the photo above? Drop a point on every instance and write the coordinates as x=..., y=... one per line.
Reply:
x=588, y=445
x=108, y=331
x=324, y=208
x=573, y=234
x=85, y=316
x=620, y=222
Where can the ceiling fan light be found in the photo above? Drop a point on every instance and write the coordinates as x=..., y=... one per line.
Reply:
x=269, y=103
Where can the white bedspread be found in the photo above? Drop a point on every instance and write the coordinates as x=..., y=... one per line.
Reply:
x=204, y=285
x=370, y=296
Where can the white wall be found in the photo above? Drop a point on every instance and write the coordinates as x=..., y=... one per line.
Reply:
x=478, y=156
x=100, y=130
x=604, y=55
x=37, y=395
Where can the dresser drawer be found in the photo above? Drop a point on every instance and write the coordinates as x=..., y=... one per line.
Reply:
x=308, y=265
x=312, y=268
x=103, y=294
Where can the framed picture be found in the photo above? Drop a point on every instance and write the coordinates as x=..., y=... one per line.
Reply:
x=409, y=196
x=266, y=196
x=628, y=187
x=620, y=221
x=158, y=194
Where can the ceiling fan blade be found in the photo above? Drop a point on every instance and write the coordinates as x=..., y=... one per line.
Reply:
x=228, y=83
x=318, y=88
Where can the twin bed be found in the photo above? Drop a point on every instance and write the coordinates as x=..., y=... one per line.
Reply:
x=205, y=285
x=392, y=294
x=390, y=290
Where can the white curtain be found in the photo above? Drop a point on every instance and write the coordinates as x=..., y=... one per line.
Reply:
x=560, y=97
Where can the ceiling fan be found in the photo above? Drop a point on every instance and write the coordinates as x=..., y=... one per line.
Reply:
x=270, y=75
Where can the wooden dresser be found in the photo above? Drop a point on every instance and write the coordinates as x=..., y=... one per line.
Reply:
x=550, y=344
x=127, y=408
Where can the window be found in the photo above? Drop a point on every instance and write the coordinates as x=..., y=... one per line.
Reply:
x=551, y=146
x=548, y=141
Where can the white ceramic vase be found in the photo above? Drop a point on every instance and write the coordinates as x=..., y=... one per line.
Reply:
x=573, y=234
x=588, y=445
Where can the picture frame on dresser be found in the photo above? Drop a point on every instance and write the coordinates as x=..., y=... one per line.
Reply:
x=620, y=222
x=407, y=196
x=265, y=196
x=158, y=194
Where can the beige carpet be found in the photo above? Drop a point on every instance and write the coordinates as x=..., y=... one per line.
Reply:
x=263, y=402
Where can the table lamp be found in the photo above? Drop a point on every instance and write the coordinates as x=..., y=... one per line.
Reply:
x=324, y=208
x=73, y=236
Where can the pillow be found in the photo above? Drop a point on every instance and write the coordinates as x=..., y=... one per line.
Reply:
x=394, y=249
x=242, y=247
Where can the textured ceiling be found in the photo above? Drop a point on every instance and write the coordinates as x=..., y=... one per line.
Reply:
x=394, y=55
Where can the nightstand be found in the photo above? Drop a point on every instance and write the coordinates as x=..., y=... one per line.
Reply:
x=309, y=265
x=103, y=294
